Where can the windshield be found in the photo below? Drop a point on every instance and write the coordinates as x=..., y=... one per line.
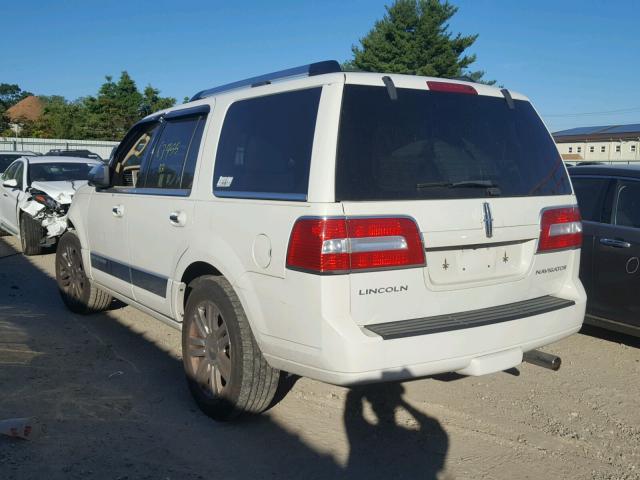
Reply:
x=57, y=172
x=6, y=159
x=428, y=145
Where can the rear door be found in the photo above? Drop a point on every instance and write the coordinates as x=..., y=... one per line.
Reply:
x=475, y=172
x=591, y=193
x=160, y=211
x=617, y=257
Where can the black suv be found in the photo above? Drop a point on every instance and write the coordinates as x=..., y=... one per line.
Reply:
x=609, y=199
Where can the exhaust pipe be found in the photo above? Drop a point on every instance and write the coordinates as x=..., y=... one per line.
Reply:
x=542, y=359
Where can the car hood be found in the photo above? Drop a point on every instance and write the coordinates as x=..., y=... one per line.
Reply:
x=62, y=191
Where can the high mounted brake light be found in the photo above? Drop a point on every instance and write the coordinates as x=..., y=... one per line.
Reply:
x=451, y=87
x=348, y=244
x=560, y=229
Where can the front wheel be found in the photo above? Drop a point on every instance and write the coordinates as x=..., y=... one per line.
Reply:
x=226, y=371
x=78, y=292
x=31, y=233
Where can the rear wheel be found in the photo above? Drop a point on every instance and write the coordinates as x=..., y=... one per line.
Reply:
x=76, y=289
x=226, y=371
x=31, y=233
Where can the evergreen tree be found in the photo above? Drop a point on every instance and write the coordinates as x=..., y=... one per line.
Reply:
x=414, y=38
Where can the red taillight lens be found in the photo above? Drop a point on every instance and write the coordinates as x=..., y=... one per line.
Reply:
x=306, y=245
x=451, y=87
x=342, y=245
x=560, y=229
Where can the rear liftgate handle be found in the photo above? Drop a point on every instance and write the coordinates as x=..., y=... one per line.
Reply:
x=611, y=242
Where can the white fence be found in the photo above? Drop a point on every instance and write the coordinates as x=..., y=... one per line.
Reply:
x=43, y=145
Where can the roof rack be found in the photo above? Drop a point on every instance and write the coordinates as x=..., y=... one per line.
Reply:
x=318, y=68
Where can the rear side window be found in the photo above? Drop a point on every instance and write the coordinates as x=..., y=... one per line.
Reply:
x=429, y=145
x=590, y=193
x=172, y=162
x=627, y=208
x=265, y=147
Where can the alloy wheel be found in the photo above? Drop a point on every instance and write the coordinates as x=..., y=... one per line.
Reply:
x=72, y=277
x=209, y=349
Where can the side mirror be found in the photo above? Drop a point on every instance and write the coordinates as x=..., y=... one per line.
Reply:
x=99, y=176
x=11, y=183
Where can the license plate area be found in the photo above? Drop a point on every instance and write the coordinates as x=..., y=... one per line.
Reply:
x=478, y=263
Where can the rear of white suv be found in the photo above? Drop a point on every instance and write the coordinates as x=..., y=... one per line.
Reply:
x=348, y=227
x=458, y=245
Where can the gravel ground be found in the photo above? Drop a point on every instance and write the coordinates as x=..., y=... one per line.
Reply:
x=110, y=388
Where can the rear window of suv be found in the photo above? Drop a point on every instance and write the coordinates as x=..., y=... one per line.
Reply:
x=434, y=145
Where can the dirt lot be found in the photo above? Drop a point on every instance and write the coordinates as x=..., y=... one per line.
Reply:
x=110, y=388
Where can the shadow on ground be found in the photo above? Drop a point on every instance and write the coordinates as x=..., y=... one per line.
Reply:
x=117, y=406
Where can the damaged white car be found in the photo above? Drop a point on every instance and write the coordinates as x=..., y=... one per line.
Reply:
x=35, y=194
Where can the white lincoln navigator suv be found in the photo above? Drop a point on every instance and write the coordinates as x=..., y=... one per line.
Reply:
x=347, y=227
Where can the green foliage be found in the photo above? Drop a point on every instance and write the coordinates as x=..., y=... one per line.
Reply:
x=106, y=116
x=10, y=94
x=414, y=38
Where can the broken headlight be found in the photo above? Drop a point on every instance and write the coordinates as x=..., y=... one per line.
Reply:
x=44, y=199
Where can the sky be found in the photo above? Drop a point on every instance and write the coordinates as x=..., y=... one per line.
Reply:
x=578, y=61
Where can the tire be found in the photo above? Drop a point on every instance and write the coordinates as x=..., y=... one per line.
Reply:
x=78, y=292
x=31, y=234
x=225, y=369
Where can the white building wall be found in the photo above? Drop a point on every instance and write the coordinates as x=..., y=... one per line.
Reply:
x=610, y=151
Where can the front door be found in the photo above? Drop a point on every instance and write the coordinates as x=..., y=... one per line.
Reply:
x=106, y=229
x=617, y=258
x=109, y=213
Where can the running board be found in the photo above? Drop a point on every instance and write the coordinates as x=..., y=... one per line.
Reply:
x=469, y=319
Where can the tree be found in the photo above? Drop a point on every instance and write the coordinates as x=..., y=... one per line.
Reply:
x=10, y=94
x=414, y=38
x=106, y=116
x=118, y=106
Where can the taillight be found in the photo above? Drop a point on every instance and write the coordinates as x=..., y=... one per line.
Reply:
x=560, y=229
x=451, y=87
x=343, y=245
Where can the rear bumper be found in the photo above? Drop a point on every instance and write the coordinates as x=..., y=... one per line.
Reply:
x=352, y=355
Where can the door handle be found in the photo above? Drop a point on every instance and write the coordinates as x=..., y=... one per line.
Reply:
x=177, y=219
x=117, y=210
x=612, y=242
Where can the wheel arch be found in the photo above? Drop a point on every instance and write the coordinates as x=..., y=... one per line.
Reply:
x=199, y=265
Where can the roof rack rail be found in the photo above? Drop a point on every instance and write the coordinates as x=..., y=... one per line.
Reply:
x=318, y=68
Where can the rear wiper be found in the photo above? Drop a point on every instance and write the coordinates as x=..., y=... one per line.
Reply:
x=492, y=188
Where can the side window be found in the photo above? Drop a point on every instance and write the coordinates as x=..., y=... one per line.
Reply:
x=590, y=193
x=265, y=146
x=131, y=154
x=172, y=163
x=627, y=205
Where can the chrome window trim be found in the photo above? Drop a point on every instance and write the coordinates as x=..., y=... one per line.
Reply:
x=163, y=192
x=294, y=197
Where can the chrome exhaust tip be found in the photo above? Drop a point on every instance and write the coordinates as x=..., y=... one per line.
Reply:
x=542, y=359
